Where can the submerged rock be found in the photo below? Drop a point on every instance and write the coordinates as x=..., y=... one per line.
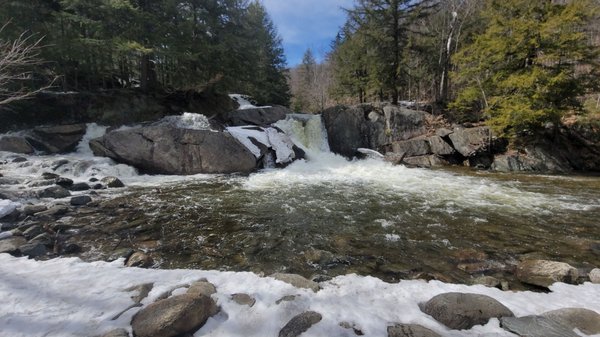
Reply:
x=544, y=273
x=463, y=311
x=167, y=150
x=173, y=316
x=410, y=330
x=300, y=323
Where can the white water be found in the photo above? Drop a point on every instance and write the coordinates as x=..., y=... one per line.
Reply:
x=244, y=102
x=306, y=131
x=187, y=120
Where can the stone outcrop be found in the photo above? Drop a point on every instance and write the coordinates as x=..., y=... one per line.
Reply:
x=166, y=150
x=261, y=116
x=544, y=273
x=16, y=144
x=56, y=139
x=463, y=311
x=173, y=316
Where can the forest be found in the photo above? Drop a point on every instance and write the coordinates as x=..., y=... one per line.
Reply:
x=515, y=64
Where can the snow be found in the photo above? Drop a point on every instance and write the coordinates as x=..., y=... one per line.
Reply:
x=269, y=137
x=68, y=297
x=7, y=207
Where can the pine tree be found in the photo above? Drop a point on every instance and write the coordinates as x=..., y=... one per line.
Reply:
x=530, y=64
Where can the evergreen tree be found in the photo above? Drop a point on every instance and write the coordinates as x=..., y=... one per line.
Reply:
x=530, y=64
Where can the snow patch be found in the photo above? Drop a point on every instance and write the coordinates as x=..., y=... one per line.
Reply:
x=269, y=137
x=7, y=207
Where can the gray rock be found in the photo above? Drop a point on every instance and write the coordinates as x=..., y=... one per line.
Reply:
x=287, y=298
x=19, y=160
x=469, y=141
x=55, y=192
x=487, y=281
x=81, y=200
x=166, y=150
x=79, y=187
x=112, y=182
x=50, y=176
x=44, y=238
x=425, y=161
x=300, y=323
x=142, y=291
x=33, y=231
x=463, y=311
x=32, y=209
x=16, y=144
x=535, y=326
x=443, y=132
x=173, y=316
x=258, y=116
x=297, y=281
x=595, y=275
x=12, y=244
x=69, y=248
x=57, y=139
x=412, y=147
x=243, y=299
x=394, y=158
x=544, y=273
x=53, y=211
x=347, y=325
x=587, y=321
x=346, y=129
x=64, y=182
x=202, y=287
x=410, y=330
x=139, y=259
x=439, y=146
x=404, y=123
x=116, y=333
x=33, y=249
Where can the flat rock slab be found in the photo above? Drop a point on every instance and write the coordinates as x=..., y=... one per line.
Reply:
x=587, y=321
x=535, y=326
x=297, y=281
x=544, y=273
x=300, y=323
x=410, y=330
x=173, y=316
x=463, y=311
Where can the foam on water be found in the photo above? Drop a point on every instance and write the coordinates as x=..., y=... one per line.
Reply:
x=187, y=120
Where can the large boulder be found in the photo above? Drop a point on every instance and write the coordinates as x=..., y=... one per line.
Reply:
x=167, y=150
x=544, y=273
x=346, y=129
x=587, y=321
x=463, y=311
x=471, y=141
x=57, y=139
x=261, y=116
x=300, y=323
x=16, y=144
x=173, y=316
x=404, y=123
x=535, y=326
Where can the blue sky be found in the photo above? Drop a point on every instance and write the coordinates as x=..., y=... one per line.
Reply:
x=307, y=24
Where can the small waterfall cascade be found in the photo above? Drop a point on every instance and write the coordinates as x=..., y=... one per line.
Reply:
x=306, y=131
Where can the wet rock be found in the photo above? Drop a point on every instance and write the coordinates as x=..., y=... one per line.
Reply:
x=19, y=160
x=33, y=249
x=202, y=287
x=69, y=248
x=425, y=161
x=544, y=273
x=16, y=144
x=167, y=150
x=346, y=127
x=64, y=182
x=410, y=330
x=595, y=275
x=297, y=281
x=81, y=200
x=116, y=333
x=53, y=211
x=79, y=187
x=142, y=291
x=300, y=323
x=33, y=209
x=587, y=321
x=57, y=139
x=55, y=192
x=463, y=311
x=535, y=326
x=59, y=163
x=49, y=176
x=112, y=182
x=121, y=253
x=11, y=245
x=243, y=299
x=44, y=238
x=33, y=231
x=98, y=187
x=173, y=316
x=139, y=259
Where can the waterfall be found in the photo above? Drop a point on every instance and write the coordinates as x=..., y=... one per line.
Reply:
x=306, y=131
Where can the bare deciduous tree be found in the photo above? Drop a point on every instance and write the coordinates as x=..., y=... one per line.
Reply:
x=17, y=59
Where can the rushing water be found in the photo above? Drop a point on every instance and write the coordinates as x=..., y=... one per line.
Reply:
x=327, y=215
